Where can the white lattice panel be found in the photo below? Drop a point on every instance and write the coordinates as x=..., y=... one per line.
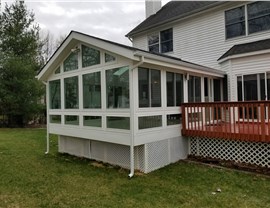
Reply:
x=157, y=155
x=257, y=153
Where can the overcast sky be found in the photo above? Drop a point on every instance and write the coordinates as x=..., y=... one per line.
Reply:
x=107, y=19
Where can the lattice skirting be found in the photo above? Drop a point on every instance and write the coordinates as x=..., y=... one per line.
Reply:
x=256, y=153
x=148, y=157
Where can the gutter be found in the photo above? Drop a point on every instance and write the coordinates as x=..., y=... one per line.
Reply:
x=132, y=166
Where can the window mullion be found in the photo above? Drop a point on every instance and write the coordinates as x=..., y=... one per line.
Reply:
x=246, y=20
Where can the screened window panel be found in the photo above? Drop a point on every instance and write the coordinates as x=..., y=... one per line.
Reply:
x=117, y=82
x=118, y=122
x=250, y=87
x=194, y=89
x=262, y=87
x=179, y=89
x=170, y=89
x=174, y=119
x=239, y=88
x=55, y=119
x=90, y=56
x=71, y=120
x=92, y=90
x=55, y=94
x=71, y=62
x=71, y=93
x=146, y=122
x=144, y=88
x=268, y=86
x=155, y=88
x=94, y=121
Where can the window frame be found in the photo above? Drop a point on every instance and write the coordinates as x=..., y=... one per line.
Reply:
x=160, y=42
x=150, y=88
x=175, y=89
x=246, y=21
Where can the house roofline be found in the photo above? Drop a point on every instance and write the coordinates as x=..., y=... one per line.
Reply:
x=176, y=18
x=242, y=55
x=127, y=52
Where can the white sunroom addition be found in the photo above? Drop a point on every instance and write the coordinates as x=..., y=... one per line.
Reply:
x=121, y=105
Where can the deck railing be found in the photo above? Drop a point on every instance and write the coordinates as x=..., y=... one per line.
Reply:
x=245, y=121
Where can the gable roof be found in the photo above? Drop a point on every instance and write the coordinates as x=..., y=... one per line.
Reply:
x=129, y=52
x=173, y=10
x=247, y=48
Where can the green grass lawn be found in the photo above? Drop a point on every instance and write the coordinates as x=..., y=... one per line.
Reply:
x=29, y=178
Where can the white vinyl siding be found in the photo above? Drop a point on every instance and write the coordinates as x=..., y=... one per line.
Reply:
x=201, y=39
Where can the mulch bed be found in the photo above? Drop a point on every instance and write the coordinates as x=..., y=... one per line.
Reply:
x=231, y=164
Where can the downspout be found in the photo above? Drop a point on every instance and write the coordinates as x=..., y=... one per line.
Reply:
x=47, y=110
x=132, y=166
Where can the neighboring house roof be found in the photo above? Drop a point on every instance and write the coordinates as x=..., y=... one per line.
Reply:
x=247, y=48
x=132, y=53
x=173, y=10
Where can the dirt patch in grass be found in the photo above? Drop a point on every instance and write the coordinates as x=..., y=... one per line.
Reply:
x=231, y=164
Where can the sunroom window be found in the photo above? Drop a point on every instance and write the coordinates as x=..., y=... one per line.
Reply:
x=149, y=88
x=71, y=62
x=92, y=90
x=235, y=22
x=117, y=85
x=90, y=56
x=174, y=89
x=55, y=94
x=258, y=16
x=109, y=58
x=71, y=93
x=194, y=89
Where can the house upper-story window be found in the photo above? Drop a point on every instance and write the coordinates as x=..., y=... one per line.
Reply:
x=237, y=23
x=258, y=16
x=161, y=42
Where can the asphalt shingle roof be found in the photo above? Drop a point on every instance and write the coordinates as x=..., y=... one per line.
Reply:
x=247, y=48
x=171, y=11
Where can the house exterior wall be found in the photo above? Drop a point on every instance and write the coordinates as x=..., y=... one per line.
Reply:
x=247, y=65
x=201, y=39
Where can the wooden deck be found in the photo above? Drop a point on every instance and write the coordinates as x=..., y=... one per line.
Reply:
x=245, y=121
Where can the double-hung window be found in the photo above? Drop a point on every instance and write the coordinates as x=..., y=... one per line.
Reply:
x=161, y=42
x=258, y=16
x=247, y=19
x=235, y=22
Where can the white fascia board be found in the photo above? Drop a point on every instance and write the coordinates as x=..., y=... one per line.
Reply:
x=244, y=55
x=181, y=65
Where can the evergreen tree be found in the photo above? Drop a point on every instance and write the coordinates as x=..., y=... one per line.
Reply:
x=20, y=92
